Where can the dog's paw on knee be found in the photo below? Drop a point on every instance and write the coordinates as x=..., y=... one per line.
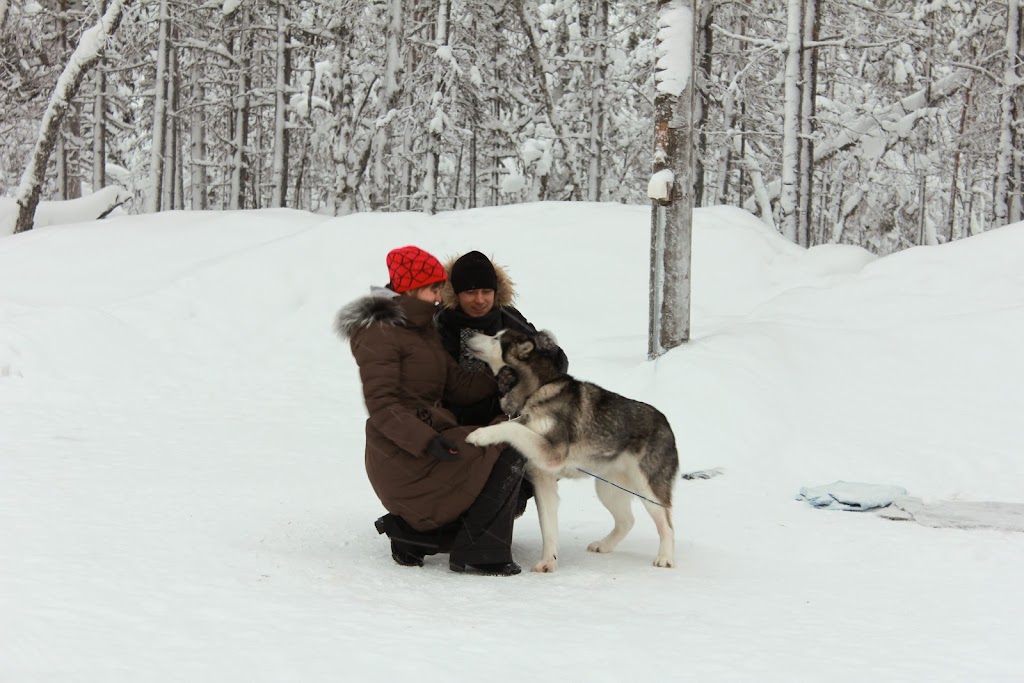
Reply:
x=546, y=566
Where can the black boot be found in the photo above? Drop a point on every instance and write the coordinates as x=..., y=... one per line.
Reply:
x=405, y=554
x=509, y=568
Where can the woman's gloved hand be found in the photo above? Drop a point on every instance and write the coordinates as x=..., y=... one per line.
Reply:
x=440, y=448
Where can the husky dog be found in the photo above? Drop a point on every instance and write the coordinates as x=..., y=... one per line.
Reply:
x=568, y=428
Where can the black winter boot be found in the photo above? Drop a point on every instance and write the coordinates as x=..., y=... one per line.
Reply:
x=409, y=546
x=509, y=568
x=405, y=554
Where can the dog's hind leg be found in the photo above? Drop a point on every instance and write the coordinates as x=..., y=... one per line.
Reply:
x=663, y=521
x=545, y=496
x=619, y=504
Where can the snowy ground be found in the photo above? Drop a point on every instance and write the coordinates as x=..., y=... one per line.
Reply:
x=182, y=495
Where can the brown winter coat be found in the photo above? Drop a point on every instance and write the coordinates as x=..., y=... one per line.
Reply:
x=406, y=376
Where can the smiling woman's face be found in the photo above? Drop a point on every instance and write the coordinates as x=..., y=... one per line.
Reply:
x=476, y=302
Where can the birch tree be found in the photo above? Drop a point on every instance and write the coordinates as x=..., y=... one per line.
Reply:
x=99, y=121
x=442, y=62
x=85, y=56
x=671, y=185
x=789, y=196
x=808, y=100
x=279, y=178
x=240, y=106
x=598, y=69
x=156, y=163
x=1007, y=198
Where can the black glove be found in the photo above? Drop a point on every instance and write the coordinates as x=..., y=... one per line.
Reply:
x=440, y=448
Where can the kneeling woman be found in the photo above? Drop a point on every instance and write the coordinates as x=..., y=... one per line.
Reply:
x=442, y=494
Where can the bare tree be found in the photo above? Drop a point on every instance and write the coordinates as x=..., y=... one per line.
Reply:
x=1007, y=194
x=156, y=164
x=86, y=55
x=597, y=100
x=671, y=186
x=99, y=124
x=282, y=77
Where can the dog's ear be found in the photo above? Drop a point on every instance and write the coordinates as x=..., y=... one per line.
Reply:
x=545, y=341
x=524, y=348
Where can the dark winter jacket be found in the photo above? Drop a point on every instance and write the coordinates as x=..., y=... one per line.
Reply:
x=456, y=327
x=406, y=375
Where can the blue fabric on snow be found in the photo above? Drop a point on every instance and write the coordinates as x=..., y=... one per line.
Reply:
x=850, y=495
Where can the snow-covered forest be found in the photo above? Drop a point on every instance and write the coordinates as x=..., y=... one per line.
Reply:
x=882, y=123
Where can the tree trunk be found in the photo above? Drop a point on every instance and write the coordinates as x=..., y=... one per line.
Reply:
x=170, y=155
x=279, y=176
x=436, y=125
x=86, y=55
x=239, y=162
x=156, y=162
x=809, y=83
x=99, y=122
x=789, y=196
x=954, y=183
x=597, y=104
x=702, y=100
x=1007, y=137
x=199, y=160
x=672, y=217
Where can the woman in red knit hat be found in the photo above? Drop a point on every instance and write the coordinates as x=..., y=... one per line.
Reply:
x=442, y=494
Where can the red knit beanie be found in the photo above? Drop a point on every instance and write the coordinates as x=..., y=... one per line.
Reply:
x=411, y=267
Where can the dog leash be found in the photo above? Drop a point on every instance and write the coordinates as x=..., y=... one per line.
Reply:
x=620, y=487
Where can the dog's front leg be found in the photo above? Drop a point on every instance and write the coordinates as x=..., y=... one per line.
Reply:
x=535, y=447
x=545, y=492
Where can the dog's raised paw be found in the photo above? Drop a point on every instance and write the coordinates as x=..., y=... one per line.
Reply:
x=480, y=437
x=599, y=547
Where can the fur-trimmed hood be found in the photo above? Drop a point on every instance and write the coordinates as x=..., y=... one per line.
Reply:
x=381, y=305
x=505, y=296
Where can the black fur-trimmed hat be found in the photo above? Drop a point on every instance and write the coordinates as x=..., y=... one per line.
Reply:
x=473, y=271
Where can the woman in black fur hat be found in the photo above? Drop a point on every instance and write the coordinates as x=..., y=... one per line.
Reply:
x=478, y=298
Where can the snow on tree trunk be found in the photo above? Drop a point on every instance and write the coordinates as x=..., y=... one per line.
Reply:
x=436, y=125
x=702, y=101
x=1005, y=156
x=171, y=174
x=672, y=206
x=789, y=197
x=550, y=103
x=156, y=161
x=239, y=164
x=809, y=81
x=86, y=55
x=198, y=170
x=955, y=182
x=597, y=103
x=279, y=173
x=99, y=123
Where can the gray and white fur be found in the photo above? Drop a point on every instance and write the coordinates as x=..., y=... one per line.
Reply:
x=566, y=425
